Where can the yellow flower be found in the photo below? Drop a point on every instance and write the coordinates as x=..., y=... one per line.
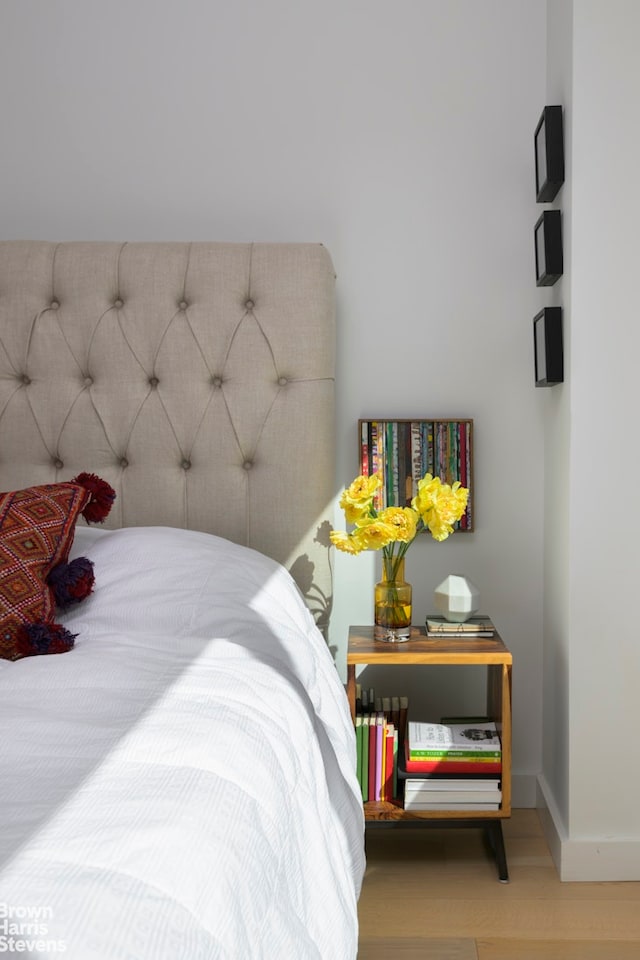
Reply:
x=374, y=535
x=355, y=512
x=404, y=519
x=357, y=498
x=344, y=542
x=426, y=496
x=438, y=529
x=436, y=507
x=440, y=505
x=363, y=488
x=452, y=502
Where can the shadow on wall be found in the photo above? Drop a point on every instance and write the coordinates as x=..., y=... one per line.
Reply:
x=303, y=571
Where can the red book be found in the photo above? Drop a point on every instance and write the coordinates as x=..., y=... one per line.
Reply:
x=488, y=767
x=387, y=792
x=364, y=449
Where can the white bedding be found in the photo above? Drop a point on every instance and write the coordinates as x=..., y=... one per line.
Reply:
x=180, y=785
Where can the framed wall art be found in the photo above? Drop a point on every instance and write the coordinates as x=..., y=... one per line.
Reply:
x=548, y=248
x=402, y=451
x=549, y=154
x=548, y=347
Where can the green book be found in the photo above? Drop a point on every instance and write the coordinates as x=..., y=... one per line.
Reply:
x=364, y=783
x=359, y=748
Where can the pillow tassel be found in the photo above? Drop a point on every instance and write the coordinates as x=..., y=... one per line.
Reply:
x=71, y=582
x=43, y=638
x=102, y=497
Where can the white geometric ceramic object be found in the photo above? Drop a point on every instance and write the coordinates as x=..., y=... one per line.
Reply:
x=456, y=598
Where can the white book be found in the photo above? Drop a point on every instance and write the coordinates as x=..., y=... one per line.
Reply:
x=469, y=737
x=418, y=784
x=453, y=796
x=469, y=807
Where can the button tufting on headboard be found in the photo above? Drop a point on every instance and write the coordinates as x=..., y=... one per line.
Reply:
x=183, y=315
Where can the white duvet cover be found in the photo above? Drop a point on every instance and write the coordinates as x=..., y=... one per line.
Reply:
x=180, y=785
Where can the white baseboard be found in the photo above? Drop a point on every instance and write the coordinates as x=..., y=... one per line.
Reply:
x=589, y=859
x=523, y=790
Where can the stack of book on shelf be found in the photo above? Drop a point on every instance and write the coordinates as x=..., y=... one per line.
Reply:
x=380, y=728
x=456, y=793
x=470, y=746
x=479, y=626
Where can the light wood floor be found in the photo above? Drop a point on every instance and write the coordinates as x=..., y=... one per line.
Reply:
x=433, y=894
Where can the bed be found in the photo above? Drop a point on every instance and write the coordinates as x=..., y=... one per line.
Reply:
x=180, y=782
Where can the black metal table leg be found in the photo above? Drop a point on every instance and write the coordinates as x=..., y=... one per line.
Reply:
x=495, y=837
x=491, y=831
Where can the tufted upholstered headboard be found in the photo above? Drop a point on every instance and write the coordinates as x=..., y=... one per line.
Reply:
x=196, y=378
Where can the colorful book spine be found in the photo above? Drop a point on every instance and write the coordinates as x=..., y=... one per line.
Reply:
x=404, y=715
x=463, y=468
x=387, y=790
x=416, y=457
x=359, y=751
x=440, y=765
x=364, y=449
x=469, y=482
x=394, y=786
x=365, y=757
x=377, y=743
x=453, y=471
x=379, y=774
x=374, y=457
x=403, y=451
x=372, y=757
x=452, y=754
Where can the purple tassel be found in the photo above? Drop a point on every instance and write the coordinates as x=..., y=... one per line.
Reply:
x=71, y=582
x=40, y=638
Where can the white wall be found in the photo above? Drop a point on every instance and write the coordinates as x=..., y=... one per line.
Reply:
x=557, y=485
x=401, y=136
x=592, y=656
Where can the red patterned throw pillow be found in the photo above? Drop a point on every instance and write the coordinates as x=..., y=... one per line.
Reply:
x=37, y=526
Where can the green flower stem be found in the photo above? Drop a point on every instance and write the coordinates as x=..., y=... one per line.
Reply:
x=393, y=596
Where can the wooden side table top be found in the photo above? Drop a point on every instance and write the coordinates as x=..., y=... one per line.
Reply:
x=419, y=648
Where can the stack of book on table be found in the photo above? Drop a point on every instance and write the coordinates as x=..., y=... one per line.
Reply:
x=380, y=725
x=479, y=626
x=470, y=746
x=457, y=793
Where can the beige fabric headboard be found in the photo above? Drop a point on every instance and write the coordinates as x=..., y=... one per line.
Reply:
x=196, y=378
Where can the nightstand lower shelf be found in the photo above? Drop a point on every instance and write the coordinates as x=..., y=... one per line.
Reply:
x=393, y=814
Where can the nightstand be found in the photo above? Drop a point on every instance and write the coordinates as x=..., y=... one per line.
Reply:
x=422, y=651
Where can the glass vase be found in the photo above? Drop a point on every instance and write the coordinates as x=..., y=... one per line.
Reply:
x=392, y=604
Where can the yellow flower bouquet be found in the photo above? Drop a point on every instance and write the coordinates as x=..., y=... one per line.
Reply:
x=436, y=507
